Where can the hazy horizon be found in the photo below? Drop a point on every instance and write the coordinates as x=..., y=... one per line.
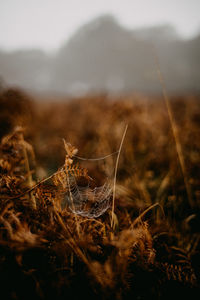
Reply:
x=47, y=24
x=66, y=40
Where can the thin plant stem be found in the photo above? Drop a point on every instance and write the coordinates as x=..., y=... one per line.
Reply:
x=139, y=218
x=72, y=202
x=29, y=176
x=174, y=131
x=115, y=175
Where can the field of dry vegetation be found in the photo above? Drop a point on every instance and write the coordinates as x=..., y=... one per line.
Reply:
x=67, y=227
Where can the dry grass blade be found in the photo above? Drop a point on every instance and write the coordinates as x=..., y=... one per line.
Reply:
x=175, y=131
x=139, y=218
x=115, y=175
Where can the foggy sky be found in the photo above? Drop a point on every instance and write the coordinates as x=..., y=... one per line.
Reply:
x=46, y=24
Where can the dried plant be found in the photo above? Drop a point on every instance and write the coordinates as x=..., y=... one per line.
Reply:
x=69, y=229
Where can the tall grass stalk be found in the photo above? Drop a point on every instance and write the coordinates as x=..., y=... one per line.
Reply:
x=115, y=176
x=174, y=130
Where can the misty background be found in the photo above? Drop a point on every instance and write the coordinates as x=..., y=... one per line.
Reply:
x=103, y=54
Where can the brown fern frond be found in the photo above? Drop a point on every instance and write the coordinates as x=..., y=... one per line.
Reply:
x=62, y=176
x=179, y=273
x=76, y=171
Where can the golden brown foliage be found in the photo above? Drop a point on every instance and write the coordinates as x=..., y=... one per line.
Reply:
x=152, y=249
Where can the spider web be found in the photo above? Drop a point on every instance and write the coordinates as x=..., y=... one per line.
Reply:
x=85, y=201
